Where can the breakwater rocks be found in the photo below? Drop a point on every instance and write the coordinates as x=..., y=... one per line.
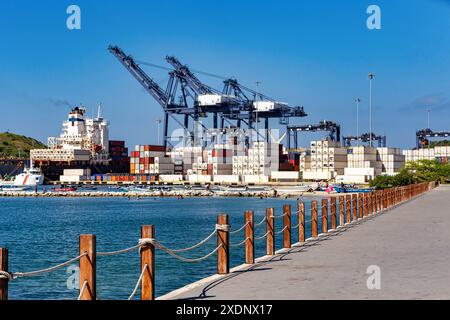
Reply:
x=149, y=194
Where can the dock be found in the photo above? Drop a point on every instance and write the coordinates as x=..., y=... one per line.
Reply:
x=409, y=243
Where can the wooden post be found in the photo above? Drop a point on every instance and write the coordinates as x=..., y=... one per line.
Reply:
x=333, y=213
x=301, y=222
x=314, y=231
x=361, y=205
x=355, y=206
x=223, y=253
x=250, y=236
x=148, y=258
x=270, y=238
x=373, y=202
x=341, y=210
x=4, y=267
x=287, y=226
x=88, y=266
x=348, y=208
x=324, y=215
x=366, y=205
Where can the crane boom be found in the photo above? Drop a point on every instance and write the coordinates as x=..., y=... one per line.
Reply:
x=149, y=85
x=184, y=72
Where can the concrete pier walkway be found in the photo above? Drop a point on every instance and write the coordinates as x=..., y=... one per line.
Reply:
x=410, y=244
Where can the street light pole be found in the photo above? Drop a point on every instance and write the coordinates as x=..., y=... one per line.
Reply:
x=256, y=99
x=358, y=100
x=428, y=116
x=371, y=76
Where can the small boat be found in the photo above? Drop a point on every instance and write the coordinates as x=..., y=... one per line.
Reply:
x=64, y=189
x=30, y=177
x=13, y=188
x=345, y=189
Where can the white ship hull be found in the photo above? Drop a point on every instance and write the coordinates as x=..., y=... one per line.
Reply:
x=30, y=177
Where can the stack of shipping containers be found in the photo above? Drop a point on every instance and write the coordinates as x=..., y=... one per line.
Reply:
x=392, y=161
x=328, y=159
x=149, y=159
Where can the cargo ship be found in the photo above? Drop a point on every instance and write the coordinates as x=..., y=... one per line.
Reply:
x=83, y=143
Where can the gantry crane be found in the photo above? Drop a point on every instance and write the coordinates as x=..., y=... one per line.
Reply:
x=334, y=131
x=423, y=136
x=365, y=138
x=198, y=100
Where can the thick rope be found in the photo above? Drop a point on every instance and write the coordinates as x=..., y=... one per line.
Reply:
x=281, y=230
x=142, y=243
x=138, y=283
x=15, y=275
x=262, y=237
x=241, y=228
x=6, y=275
x=112, y=253
x=198, y=244
x=261, y=222
x=170, y=252
x=223, y=227
x=280, y=216
x=240, y=243
x=82, y=289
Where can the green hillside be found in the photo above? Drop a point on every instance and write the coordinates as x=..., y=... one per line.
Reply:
x=16, y=146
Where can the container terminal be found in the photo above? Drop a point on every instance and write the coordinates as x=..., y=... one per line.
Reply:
x=233, y=150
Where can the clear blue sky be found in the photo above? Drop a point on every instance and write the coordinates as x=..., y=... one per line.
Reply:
x=311, y=53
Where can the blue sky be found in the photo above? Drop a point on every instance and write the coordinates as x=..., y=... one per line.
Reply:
x=311, y=53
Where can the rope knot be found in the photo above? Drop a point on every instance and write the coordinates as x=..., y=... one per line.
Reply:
x=146, y=241
x=223, y=227
x=6, y=275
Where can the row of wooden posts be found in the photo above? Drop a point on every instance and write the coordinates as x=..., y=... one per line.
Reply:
x=351, y=208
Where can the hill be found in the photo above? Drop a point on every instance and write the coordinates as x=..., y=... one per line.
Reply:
x=17, y=146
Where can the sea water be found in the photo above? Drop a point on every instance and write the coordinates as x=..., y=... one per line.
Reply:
x=42, y=232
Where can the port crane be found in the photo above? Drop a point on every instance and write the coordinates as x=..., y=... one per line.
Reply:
x=166, y=99
x=333, y=128
x=347, y=141
x=423, y=136
x=235, y=103
x=198, y=100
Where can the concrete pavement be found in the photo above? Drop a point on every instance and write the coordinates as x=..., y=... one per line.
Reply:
x=410, y=244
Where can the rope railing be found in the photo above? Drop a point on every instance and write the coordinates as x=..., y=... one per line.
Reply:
x=278, y=232
x=364, y=204
x=240, y=243
x=261, y=222
x=240, y=229
x=279, y=216
x=113, y=253
x=140, y=244
x=85, y=284
x=15, y=275
x=138, y=283
x=173, y=254
x=263, y=236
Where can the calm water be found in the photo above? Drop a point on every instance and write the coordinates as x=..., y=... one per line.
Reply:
x=44, y=231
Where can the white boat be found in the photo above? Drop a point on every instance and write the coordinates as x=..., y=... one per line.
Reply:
x=13, y=189
x=297, y=189
x=30, y=177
